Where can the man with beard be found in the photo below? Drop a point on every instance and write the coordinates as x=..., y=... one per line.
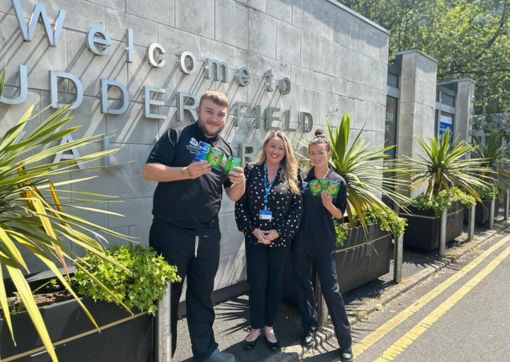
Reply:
x=185, y=227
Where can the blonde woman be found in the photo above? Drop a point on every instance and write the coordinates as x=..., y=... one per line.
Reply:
x=269, y=215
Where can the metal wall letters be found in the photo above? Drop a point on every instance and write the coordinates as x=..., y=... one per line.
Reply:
x=99, y=43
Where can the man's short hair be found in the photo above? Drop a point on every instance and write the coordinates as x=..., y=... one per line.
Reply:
x=216, y=97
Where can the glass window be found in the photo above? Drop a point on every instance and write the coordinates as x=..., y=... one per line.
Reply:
x=393, y=80
x=448, y=99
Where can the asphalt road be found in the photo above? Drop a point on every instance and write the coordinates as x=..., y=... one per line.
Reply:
x=426, y=323
x=468, y=321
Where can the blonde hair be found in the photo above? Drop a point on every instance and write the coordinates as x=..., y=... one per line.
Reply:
x=216, y=97
x=289, y=163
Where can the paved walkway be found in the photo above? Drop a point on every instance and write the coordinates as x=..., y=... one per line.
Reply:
x=231, y=324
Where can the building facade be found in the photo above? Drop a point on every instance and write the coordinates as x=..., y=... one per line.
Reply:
x=133, y=68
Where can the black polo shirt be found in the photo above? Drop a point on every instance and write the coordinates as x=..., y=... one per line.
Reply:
x=316, y=233
x=189, y=204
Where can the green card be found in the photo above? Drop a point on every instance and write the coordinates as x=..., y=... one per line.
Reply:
x=315, y=187
x=333, y=188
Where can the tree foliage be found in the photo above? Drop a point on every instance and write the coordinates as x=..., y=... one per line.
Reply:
x=469, y=38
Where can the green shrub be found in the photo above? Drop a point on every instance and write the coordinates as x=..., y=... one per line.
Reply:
x=465, y=199
x=140, y=284
x=386, y=221
x=390, y=222
x=341, y=234
x=443, y=200
x=487, y=193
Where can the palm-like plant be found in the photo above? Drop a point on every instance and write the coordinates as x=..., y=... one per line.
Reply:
x=496, y=157
x=365, y=172
x=33, y=219
x=444, y=165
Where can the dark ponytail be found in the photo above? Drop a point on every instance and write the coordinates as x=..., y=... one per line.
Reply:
x=319, y=132
x=320, y=137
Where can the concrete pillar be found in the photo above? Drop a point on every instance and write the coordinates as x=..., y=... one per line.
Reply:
x=442, y=233
x=464, y=109
x=471, y=223
x=507, y=205
x=417, y=102
x=163, y=338
x=398, y=259
x=492, y=213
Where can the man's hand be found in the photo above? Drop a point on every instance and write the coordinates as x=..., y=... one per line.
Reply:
x=238, y=180
x=236, y=176
x=196, y=169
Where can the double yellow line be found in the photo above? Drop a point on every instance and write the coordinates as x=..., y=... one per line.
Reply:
x=405, y=341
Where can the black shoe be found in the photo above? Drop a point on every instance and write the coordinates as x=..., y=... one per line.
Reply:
x=346, y=356
x=248, y=346
x=273, y=346
x=308, y=340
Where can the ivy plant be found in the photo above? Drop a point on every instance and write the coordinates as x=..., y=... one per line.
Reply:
x=389, y=222
x=442, y=200
x=139, y=282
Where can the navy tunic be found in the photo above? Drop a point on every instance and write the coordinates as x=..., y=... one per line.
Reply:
x=317, y=231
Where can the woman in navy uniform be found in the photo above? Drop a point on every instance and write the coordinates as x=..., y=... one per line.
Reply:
x=316, y=243
x=269, y=215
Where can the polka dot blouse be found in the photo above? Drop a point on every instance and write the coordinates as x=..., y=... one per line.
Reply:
x=286, y=208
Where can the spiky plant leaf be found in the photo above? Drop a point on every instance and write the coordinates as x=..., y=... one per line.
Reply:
x=497, y=158
x=366, y=173
x=444, y=165
x=33, y=218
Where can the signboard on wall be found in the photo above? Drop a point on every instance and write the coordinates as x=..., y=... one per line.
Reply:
x=445, y=122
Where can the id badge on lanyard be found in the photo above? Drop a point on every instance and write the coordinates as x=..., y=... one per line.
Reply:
x=265, y=214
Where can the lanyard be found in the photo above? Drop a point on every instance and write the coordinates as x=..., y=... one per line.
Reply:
x=267, y=185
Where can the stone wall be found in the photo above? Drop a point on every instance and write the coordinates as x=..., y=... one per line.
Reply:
x=335, y=60
x=417, y=103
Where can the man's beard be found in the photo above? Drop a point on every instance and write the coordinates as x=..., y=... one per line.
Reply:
x=206, y=133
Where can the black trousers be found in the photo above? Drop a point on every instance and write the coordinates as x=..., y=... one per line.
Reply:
x=196, y=254
x=326, y=270
x=265, y=269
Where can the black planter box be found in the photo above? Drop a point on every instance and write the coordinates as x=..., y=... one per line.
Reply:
x=363, y=257
x=123, y=337
x=482, y=212
x=423, y=227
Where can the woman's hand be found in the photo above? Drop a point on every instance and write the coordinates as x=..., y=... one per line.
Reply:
x=271, y=235
x=261, y=236
x=265, y=237
x=327, y=201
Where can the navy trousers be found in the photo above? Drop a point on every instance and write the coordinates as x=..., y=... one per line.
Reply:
x=326, y=270
x=196, y=254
